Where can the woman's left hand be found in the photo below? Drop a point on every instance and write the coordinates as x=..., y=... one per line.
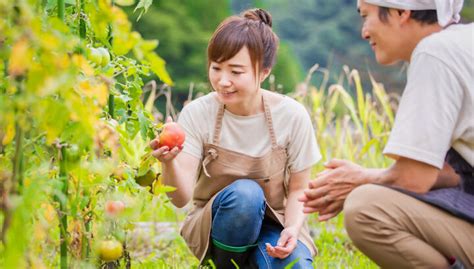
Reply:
x=285, y=245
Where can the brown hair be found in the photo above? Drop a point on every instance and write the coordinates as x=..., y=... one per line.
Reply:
x=253, y=29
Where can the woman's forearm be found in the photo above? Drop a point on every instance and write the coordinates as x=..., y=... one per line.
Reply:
x=294, y=216
x=181, y=174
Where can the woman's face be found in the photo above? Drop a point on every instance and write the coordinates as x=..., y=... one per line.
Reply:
x=234, y=80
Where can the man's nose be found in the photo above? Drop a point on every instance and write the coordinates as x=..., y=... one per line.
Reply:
x=364, y=33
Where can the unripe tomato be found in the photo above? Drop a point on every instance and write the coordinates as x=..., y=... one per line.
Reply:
x=114, y=208
x=105, y=55
x=94, y=55
x=73, y=153
x=146, y=179
x=172, y=135
x=110, y=250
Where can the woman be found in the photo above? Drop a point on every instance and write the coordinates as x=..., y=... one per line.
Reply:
x=246, y=159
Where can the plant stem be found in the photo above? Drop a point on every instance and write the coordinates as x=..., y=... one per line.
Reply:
x=10, y=184
x=82, y=21
x=17, y=175
x=111, y=105
x=61, y=7
x=63, y=207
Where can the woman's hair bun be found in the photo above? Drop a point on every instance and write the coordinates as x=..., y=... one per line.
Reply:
x=258, y=14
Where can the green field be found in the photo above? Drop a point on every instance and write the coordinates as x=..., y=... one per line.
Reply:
x=77, y=115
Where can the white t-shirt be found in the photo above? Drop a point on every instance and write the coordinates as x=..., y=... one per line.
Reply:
x=249, y=135
x=436, y=110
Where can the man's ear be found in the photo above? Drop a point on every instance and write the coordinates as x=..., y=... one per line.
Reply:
x=264, y=74
x=404, y=16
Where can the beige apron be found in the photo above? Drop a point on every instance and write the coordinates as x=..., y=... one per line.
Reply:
x=221, y=167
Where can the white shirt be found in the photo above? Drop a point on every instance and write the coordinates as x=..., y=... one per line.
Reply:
x=249, y=135
x=436, y=110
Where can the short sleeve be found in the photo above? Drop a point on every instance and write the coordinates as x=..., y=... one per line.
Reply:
x=428, y=112
x=189, y=119
x=303, y=149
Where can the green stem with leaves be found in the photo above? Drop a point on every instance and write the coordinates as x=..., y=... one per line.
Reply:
x=63, y=206
x=82, y=20
x=61, y=8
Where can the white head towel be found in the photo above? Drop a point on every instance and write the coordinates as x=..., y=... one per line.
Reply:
x=447, y=10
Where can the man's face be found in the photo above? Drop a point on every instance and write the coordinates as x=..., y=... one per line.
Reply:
x=383, y=37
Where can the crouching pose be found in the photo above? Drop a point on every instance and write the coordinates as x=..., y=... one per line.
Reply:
x=246, y=159
x=418, y=213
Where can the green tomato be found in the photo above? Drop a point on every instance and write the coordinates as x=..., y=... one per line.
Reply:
x=146, y=179
x=94, y=55
x=110, y=250
x=105, y=55
x=73, y=153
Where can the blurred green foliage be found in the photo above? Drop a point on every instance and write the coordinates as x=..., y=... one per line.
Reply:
x=467, y=13
x=185, y=27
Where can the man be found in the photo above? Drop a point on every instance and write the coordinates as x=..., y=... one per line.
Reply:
x=418, y=213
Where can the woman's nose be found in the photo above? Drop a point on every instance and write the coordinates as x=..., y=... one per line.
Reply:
x=224, y=81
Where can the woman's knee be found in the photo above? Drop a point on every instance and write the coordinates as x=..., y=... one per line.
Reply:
x=245, y=192
x=244, y=198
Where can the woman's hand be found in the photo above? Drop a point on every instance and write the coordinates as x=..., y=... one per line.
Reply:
x=163, y=154
x=285, y=245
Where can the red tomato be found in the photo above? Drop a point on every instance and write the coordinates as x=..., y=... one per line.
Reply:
x=172, y=135
x=113, y=208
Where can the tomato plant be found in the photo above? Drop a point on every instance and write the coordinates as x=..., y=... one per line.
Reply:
x=73, y=129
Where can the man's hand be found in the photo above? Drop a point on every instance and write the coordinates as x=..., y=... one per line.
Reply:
x=328, y=191
x=285, y=245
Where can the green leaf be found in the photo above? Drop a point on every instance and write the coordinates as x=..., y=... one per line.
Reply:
x=157, y=65
x=144, y=5
x=144, y=124
x=124, y=3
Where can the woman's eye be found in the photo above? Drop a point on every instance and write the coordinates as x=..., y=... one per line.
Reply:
x=237, y=72
x=215, y=68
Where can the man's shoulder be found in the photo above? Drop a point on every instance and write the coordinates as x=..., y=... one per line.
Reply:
x=452, y=47
x=454, y=36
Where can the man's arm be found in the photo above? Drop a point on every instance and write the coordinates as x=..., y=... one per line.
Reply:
x=415, y=176
x=327, y=193
x=447, y=178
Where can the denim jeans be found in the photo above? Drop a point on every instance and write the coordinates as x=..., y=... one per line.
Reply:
x=238, y=220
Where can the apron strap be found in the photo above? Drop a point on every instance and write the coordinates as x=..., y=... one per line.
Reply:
x=218, y=126
x=268, y=119
x=211, y=156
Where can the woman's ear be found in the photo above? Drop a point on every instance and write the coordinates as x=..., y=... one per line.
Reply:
x=264, y=74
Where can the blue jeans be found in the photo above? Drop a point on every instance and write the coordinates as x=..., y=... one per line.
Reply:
x=238, y=220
